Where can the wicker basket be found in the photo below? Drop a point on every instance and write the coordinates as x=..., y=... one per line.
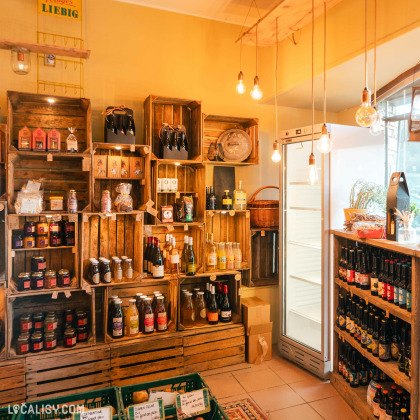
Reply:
x=264, y=213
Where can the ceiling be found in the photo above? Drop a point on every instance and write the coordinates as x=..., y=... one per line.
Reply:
x=346, y=81
x=232, y=11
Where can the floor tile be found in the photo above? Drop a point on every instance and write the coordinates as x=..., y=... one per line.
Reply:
x=276, y=398
x=313, y=389
x=225, y=369
x=258, y=379
x=333, y=408
x=233, y=398
x=298, y=412
x=224, y=385
x=288, y=371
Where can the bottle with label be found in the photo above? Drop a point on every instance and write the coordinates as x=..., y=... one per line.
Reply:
x=184, y=255
x=354, y=377
x=375, y=337
x=71, y=141
x=383, y=404
x=188, y=313
x=385, y=279
x=211, y=259
x=364, y=336
x=145, y=253
x=161, y=315
x=200, y=309
x=212, y=310
x=226, y=201
x=239, y=198
x=377, y=400
x=158, y=271
x=71, y=202
x=391, y=282
x=395, y=340
x=132, y=319
x=342, y=314
x=402, y=298
x=166, y=252
x=225, y=311
x=221, y=256
x=350, y=268
x=230, y=258
x=207, y=198
x=174, y=259
x=212, y=203
x=364, y=275
x=407, y=358
x=397, y=283
x=182, y=142
x=237, y=254
x=148, y=316
x=117, y=320
x=117, y=272
x=165, y=143
x=369, y=332
x=358, y=254
x=374, y=277
x=401, y=356
x=380, y=277
x=408, y=289
x=150, y=256
x=384, y=342
x=192, y=263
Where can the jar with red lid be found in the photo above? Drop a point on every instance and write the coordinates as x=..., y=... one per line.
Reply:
x=63, y=278
x=55, y=240
x=50, y=340
x=82, y=334
x=29, y=229
x=81, y=318
x=42, y=241
x=37, y=342
x=68, y=239
x=22, y=344
x=70, y=337
x=50, y=323
x=50, y=279
x=68, y=227
x=17, y=239
x=29, y=241
x=68, y=316
x=37, y=280
x=23, y=282
x=38, y=321
x=25, y=323
x=38, y=264
x=55, y=228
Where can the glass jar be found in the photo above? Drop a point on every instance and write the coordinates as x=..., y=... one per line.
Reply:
x=42, y=228
x=82, y=334
x=128, y=272
x=23, y=282
x=81, y=318
x=68, y=227
x=105, y=271
x=68, y=316
x=29, y=229
x=70, y=337
x=25, y=323
x=50, y=323
x=37, y=342
x=56, y=203
x=50, y=279
x=17, y=239
x=55, y=240
x=94, y=275
x=200, y=310
x=407, y=235
x=68, y=239
x=37, y=280
x=38, y=264
x=29, y=241
x=63, y=278
x=38, y=321
x=22, y=344
x=117, y=270
x=55, y=228
x=72, y=201
x=50, y=340
x=42, y=241
x=106, y=202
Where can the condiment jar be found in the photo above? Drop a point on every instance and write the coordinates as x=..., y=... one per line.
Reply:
x=72, y=201
x=50, y=340
x=128, y=269
x=55, y=240
x=23, y=282
x=81, y=318
x=50, y=323
x=42, y=241
x=70, y=338
x=29, y=229
x=37, y=343
x=105, y=271
x=63, y=278
x=25, y=323
x=37, y=280
x=17, y=239
x=55, y=228
x=42, y=228
x=68, y=239
x=148, y=316
x=22, y=344
x=50, y=279
x=117, y=270
x=38, y=321
x=94, y=275
x=68, y=316
x=82, y=334
x=38, y=264
x=29, y=241
x=56, y=203
x=68, y=227
x=106, y=202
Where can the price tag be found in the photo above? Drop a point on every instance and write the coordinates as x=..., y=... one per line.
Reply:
x=186, y=227
x=247, y=215
x=73, y=218
x=152, y=211
x=232, y=213
x=103, y=413
x=13, y=222
x=237, y=276
x=13, y=254
x=132, y=148
x=170, y=228
x=147, y=411
x=113, y=216
x=56, y=217
x=67, y=293
x=85, y=218
x=139, y=217
x=49, y=157
x=54, y=295
x=146, y=149
x=192, y=403
x=213, y=277
x=148, y=230
x=262, y=233
x=150, y=203
x=387, y=313
x=86, y=164
x=211, y=213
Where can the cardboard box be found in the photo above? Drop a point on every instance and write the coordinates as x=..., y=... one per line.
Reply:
x=259, y=342
x=125, y=166
x=114, y=167
x=136, y=167
x=255, y=311
x=100, y=166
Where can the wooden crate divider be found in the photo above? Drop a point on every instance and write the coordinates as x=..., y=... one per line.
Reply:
x=3, y=321
x=12, y=382
x=215, y=125
x=3, y=239
x=63, y=373
x=160, y=110
x=3, y=158
x=230, y=278
x=214, y=347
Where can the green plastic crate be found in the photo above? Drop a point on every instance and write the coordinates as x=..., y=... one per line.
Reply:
x=92, y=399
x=5, y=415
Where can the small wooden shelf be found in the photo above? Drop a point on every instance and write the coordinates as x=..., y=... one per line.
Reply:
x=142, y=180
x=390, y=368
x=55, y=155
x=141, y=148
x=15, y=293
x=177, y=192
x=48, y=248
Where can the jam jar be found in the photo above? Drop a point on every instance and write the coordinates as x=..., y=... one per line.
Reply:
x=94, y=276
x=25, y=323
x=42, y=228
x=63, y=278
x=70, y=338
x=42, y=241
x=50, y=340
x=68, y=316
x=29, y=229
x=50, y=323
x=55, y=239
x=17, y=239
x=24, y=282
x=81, y=318
x=38, y=264
x=68, y=239
x=68, y=227
x=37, y=342
x=82, y=334
x=29, y=241
x=50, y=279
x=55, y=228
x=22, y=344
x=38, y=321
x=105, y=271
x=37, y=280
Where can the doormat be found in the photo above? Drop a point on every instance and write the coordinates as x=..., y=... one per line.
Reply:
x=243, y=410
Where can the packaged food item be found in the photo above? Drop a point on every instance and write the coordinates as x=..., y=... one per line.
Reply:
x=37, y=342
x=50, y=340
x=38, y=321
x=37, y=280
x=24, y=139
x=106, y=202
x=70, y=338
x=136, y=167
x=54, y=141
x=17, y=239
x=50, y=279
x=114, y=167
x=25, y=323
x=24, y=282
x=71, y=141
x=125, y=167
x=22, y=345
x=56, y=203
x=167, y=214
x=123, y=201
x=55, y=239
x=29, y=241
x=63, y=278
x=72, y=201
x=100, y=166
x=28, y=202
x=39, y=140
x=188, y=208
x=368, y=229
x=38, y=264
x=29, y=229
x=42, y=241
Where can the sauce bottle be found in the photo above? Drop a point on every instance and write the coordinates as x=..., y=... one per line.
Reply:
x=160, y=315
x=132, y=319
x=149, y=318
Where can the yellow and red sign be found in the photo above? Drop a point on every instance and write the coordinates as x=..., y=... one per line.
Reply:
x=71, y=9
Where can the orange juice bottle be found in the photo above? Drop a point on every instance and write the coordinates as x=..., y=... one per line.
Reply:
x=132, y=319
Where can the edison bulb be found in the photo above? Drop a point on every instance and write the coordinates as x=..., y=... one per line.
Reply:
x=376, y=129
x=324, y=144
x=366, y=115
x=240, y=87
x=312, y=175
x=275, y=156
x=256, y=92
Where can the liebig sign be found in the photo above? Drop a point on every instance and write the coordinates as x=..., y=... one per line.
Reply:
x=71, y=9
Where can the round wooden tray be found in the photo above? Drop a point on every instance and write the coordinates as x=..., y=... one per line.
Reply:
x=234, y=145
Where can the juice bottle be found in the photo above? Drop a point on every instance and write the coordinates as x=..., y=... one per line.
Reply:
x=149, y=317
x=222, y=256
x=211, y=254
x=230, y=259
x=132, y=319
x=237, y=253
x=160, y=315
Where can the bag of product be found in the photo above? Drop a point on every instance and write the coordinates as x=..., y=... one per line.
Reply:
x=30, y=198
x=123, y=201
x=188, y=208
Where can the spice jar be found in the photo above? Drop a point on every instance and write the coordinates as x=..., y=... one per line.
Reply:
x=42, y=241
x=22, y=344
x=81, y=318
x=50, y=279
x=69, y=239
x=37, y=343
x=25, y=323
x=50, y=340
x=63, y=278
x=42, y=228
x=128, y=269
x=55, y=240
x=72, y=201
x=68, y=316
x=106, y=202
x=50, y=323
x=117, y=270
x=38, y=321
x=68, y=227
x=38, y=264
x=56, y=204
x=94, y=276
x=17, y=239
x=37, y=280
x=54, y=227
x=105, y=271
x=82, y=334
x=70, y=337
x=23, y=282
x=29, y=241
x=29, y=229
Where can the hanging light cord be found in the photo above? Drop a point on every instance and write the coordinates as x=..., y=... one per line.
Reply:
x=313, y=97
x=374, y=62
x=366, y=24
x=275, y=79
x=256, y=49
x=240, y=57
x=325, y=61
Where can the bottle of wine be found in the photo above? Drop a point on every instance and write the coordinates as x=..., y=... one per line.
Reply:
x=192, y=264
x=395, y=340
x=384, y=342
x=374, y=276
x=211, y=258
x=212, y=311
x=184, y=254
x=174, y=258
x=377, y=400
x=165, y=143
x=182, y=142
x=146, y=255
x=225, y=311
x=117, y=320
x=151, y=256
x=158, y=269
x=212, y=199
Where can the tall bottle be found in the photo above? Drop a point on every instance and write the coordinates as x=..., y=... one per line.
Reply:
x=384, y=342
x=395, y=340
x=374, y=276
x=158, y=270
x=407, y=358
x=174, y=257
x=401, y=355
x=350, y=268
x=364, y=275
x=375, y=337
x=239, y=198
x=237, y=254
x=385, y=280
x=166, y=252
x=183, y=142
x=165, y=143
x=188, y=312
x=192, y=263
x=161, y=318
x=409, y=289
x=402, y=298
x=151, y=256
x=380, y=276
x=212, y=310
x=383, y=405
x=117, y=320
x=397, y=283
x=354, y=377
x=212, y=203
x=148, y=317
x=225, y=311
x=230, y=258
x=391, y=281
x=226, y=201
x=184, y=255
x=145, y=254
x=377, y=400
x=211, y=257
x=132, y=319
x=200, y=310
x=221, y=256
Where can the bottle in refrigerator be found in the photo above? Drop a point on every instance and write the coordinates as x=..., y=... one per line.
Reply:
x=192, y=263
x=132, y=319
x=225, y=311
x=239, y=198
x=158, y=271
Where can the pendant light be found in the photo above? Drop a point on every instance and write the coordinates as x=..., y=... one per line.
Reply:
x=240, y=87
x=275, y=156
x=20, y=60
x=324, y=144
x=366, y=115
x=376, y=128
x=312, y=175
x=256, y=92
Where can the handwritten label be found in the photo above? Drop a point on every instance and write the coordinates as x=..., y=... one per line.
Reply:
x=113, y=216
x=192, y=403
x=247, y=215
x=263, y=233
x=170, y=228
x=132, y=148
x=85, y=218
x=103, y=413
x=86, y=164
x=13, y=254
x=57, y=217
x=152, y=211
x=13, y=222
x=147, y=411
x=67, y=293
x=54, y=295
x=49, y=157
x=232, y=213
x=186, y=227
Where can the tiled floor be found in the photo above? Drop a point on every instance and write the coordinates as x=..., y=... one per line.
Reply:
x=282, y=390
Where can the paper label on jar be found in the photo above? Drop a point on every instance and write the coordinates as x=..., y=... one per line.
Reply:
x=81, y=336
x=40, y=284
x=24, y=348
x=66, y=280
x=27, y=284
x=158, y=271
x=96, y=278
x=175, y=259
x=30, y=243
x=52, y=326
x=38, y=325
x=51, y=344
x=117, y=327
x=107, y=277
x=149, y=322
x=70, y=341
x=81, y=322
x=26, y=326
x=364, y=279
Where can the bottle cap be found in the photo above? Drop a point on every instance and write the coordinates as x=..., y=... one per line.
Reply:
x=132, y=300
x=159, y=297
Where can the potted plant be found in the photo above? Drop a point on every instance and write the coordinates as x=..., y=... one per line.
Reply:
x=364, y=197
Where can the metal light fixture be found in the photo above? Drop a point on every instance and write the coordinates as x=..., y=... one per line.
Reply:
x=366, y=114
x=275, y=156
x=256, y=91
x=20, y=60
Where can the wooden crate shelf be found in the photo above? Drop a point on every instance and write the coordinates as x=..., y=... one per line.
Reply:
x=231, y=226
x=3, y=239
x=140, y=191
x=3, y=158
x=159, y=110
x=215, y=125
x=232, y=280
x=12, y=382
x=3, y=322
